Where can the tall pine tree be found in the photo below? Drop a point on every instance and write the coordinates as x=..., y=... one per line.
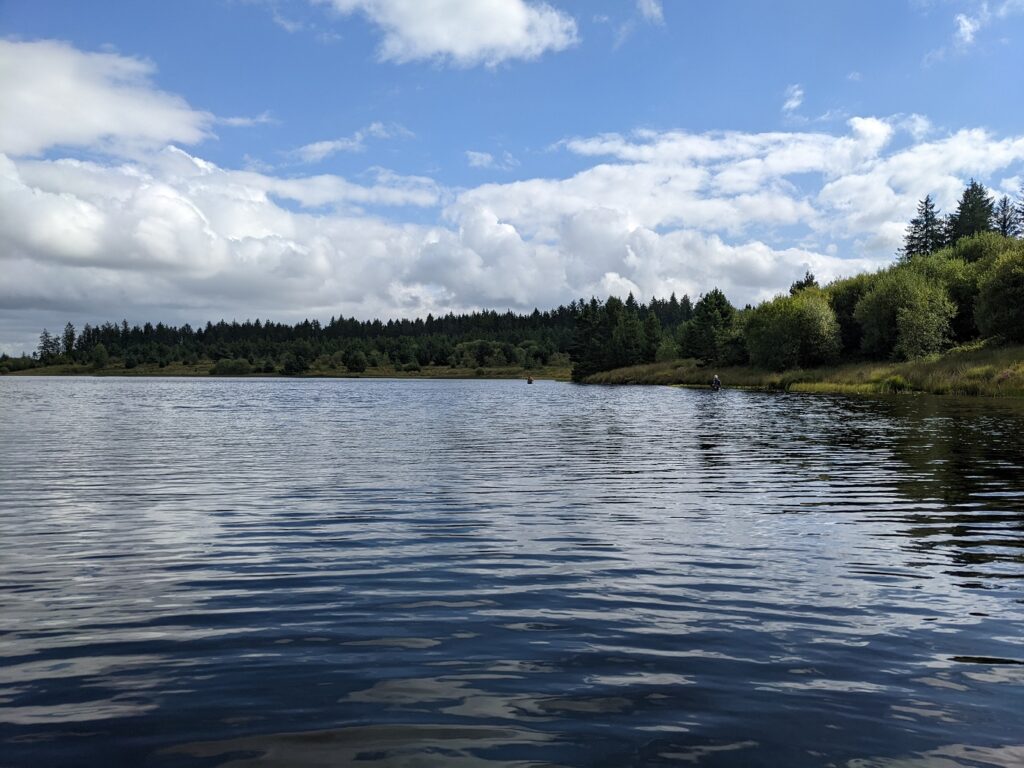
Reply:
x=973, y=213
x=711, y=315
x=1006, y=217
x=1019, y=207
x=926, y=232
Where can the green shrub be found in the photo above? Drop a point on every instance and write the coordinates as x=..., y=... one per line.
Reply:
x=843, y=296
x=796, y=331
x=921, y=333
x=895, y=383
x=1000, y=307
x=355, y=360
x=294, y=364
x=231, y=367
x=904, y=315
x=983, y=247
x=667, y=350
x=100, y=356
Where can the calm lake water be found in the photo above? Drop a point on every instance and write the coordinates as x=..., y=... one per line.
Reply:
x=483, y=573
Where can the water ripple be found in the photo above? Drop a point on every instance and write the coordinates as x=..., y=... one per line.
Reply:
x=304, y=573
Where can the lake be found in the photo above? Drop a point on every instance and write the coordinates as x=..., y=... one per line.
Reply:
x=205, y=572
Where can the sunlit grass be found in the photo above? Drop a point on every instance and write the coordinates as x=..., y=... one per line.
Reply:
x=977, y=369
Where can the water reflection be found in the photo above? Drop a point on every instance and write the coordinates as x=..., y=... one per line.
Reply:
x=198, y=573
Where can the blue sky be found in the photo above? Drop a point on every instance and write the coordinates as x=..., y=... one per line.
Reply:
x=231, y=158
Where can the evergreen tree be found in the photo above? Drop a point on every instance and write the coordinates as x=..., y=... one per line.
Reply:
x=674, y=311
x=1006, y=217
x=685, y=308
x=711, y=315
x=926, y=231
x=590, y=340
x=973, y=213
x=68, y=340
x=627, y=345
x=948, y=228
x=808, y=281
x=652, y=337
x=45, y=348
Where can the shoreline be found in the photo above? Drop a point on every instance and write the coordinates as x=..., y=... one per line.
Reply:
x=203, y=370
x=980, y=370
x=976, y=370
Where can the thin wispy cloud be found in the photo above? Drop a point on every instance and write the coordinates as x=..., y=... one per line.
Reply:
x=288, y=25
x=647, y=12
x=967, y=27
x=651, y=10
x=263, y=118
x=320, y=150
x=794, y=96
x=487, y=160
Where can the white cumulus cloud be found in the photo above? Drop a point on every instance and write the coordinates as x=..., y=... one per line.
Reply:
x=53, y=94
x=464, y=32
x=162, y=234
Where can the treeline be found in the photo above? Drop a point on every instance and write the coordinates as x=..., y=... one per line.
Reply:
x=958, y=278
x=977, y=211
x=474, y=340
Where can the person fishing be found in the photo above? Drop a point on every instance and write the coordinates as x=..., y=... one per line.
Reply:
x=716, y=383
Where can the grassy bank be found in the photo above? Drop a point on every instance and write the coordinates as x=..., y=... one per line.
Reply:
x=204, y=367
x=974, y=370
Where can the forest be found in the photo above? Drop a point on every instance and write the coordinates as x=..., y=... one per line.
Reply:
x=958, y=278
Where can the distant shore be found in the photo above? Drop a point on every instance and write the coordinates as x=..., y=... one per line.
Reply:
x=205, y=367
x=979, y=370
x=974, y=370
